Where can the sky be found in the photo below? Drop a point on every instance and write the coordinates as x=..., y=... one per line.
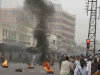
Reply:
x=75, y=7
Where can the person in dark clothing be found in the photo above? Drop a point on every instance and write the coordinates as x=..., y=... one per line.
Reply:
x=19, y=58
x=2, y=57
x=99, y=65
x=94, y=66
x=98, y=70
x=52, y=60
x=10, y=57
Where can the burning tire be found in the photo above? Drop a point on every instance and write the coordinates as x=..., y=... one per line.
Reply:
x=30, y=66
x=18, y=70
x=50, y=72
x=5, y=64
x=47, y=67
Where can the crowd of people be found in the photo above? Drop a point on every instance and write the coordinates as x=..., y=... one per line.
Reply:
x=73, y=65
x=79, y=65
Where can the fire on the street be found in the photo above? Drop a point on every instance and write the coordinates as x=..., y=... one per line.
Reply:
x=30, y=66
x=5, y=63
x=47, y=67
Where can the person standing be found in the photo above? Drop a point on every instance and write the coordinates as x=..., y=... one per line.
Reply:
x=52, y=60
x=94, y=66
x=77, y=62
x=10, y=57
x=89, y=66
x=60, y=61
x=98, y=70
x=81, y=70
x=65, y=67
x=2, y=57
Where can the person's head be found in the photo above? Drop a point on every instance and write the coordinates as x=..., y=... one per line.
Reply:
x=82, y=63
x=67, y=58
x=95, y=60
x=99, y=64
x=77, y=57
x=73, y=57
x=80, y=57
x=89, y=59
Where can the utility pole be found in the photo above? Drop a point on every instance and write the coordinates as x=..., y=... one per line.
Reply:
x=0, y=12
x=92, y=7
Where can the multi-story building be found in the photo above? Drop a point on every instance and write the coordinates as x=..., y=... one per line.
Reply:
x=61, y=24
x=14, y=29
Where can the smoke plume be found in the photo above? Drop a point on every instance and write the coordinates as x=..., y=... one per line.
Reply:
x=44, y=11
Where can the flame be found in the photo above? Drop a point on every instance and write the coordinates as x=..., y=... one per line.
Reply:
x=30, y=65
x=5, y=63
x=47, y=66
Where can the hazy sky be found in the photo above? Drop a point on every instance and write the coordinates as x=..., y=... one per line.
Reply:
x=75, y=7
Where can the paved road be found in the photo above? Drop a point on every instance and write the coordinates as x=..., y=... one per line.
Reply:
x=38, y=70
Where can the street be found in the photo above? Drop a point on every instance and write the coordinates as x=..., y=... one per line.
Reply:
x=38, y=70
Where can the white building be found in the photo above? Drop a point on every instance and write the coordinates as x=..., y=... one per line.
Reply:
x=63, y=24
x=53, y=41
x=13, y=30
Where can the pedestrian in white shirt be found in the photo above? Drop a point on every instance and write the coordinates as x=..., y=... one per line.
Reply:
x=65, y=67
x=77, y=62
x=89, y=66
x=81, y=70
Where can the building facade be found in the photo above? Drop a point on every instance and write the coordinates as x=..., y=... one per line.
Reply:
x=54, y=42
x=14, y=29
x=61, y=24
x=17, y=27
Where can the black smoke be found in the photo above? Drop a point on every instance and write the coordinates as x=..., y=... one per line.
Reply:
x=44, y=11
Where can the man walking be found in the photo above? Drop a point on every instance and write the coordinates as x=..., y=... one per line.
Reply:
x=66, y=67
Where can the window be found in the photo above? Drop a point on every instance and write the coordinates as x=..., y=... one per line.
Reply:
x=3, y=32
x=24, y=38
x=28, y=38
x=53, y=41
x=68, y=17
x=9, y=34
x=20, y=38
x=58, y=14
x=14, y=33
